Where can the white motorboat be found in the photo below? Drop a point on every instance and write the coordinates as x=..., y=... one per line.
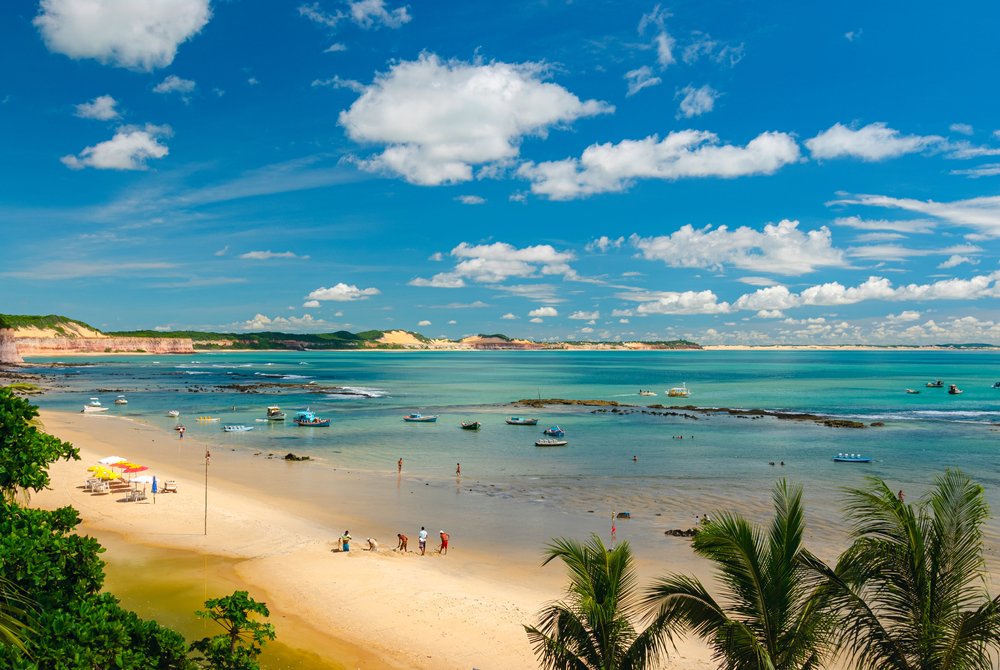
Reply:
x=173, y=413
x=646, y=393
x=120, y=400
x=94, y=406
x=679, y=392
x=236, y=428
x=551, y=443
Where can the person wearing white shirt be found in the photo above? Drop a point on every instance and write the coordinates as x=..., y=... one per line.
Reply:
x=423, y=540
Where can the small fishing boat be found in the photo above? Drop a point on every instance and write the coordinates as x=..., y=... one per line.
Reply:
x=471, y=425
x=996, y=385
x=207, y=418
x=954, y=390
x=233, y=428
x=420, y=418
x=521, y=421
x=679, y=392
x=646, y=393
x=555, y=430
x=94, y=406
x=174, y=413
x=551, y=443
x=178, y=427
x=912, y=391
x=307, y=418
x=274, y=413
x=120, y=400
x=852, y=458
x=936, y=384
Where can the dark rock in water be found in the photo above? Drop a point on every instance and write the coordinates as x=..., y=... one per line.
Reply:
x=877, y=423
x=843, y=423
x=690, y=532
x=624, y=515
x=293, y=457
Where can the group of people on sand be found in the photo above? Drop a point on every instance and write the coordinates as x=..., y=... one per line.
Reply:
x=345, y=542
x=458, y=468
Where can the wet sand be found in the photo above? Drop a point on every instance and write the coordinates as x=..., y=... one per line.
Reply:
x=280, y=521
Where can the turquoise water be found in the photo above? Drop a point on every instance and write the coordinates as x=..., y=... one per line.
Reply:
x=718, y=456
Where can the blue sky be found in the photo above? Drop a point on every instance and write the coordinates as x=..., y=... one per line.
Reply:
x=729, y=172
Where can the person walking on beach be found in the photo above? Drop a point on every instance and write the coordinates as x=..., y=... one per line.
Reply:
x=208, y=457
x=345, y=541
x=443, y=549
x=458, y=470
x=422, y=540
x=400, y=464
x=900, y=495
x=402, y=542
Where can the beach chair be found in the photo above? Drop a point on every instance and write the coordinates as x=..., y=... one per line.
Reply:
x=169, y=486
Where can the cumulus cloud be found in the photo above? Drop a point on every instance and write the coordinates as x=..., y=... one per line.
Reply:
x=342, y=293
x=135, y=34
x=337, y=82
x=586, y=330
x=439, y=119
x=688, y=153
x=544, y=311
x=908, y=315
x=470, y=200
x=333, y=48
x=129, y=149
x=770, y=314
x=261, y=322
x=874, y=142
x=537, y=320
x=639, y=79
x=436, y=256
x=584, y=316
x=373, y=14
x=311, y=304
x=424, y=323
x=957, y=260
x=510, y=317
x=174, y=84
x=101, y=108
x=697, y=101
x=266, y=255
x=603, y=243
x=780, y=248
x=982, y=212
x=669, y=302
x=491, y=263
x=963, y=128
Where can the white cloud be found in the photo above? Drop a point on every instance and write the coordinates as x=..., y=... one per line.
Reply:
x=510, y=317
x=129, y=149
x=664, y=49
x=174, y=84
x=669, y=302
x=586, y=330
x=162, y=329
x=874, y=142
x=266, y=255
x=957, y=260
x=584, y=316
x=909, y=315
x=964, y=150
x=333, y=48
x=451, y=323
x=544, y=311
x=136, y=34
x=758, y=281
x=544, y=293
x=310, y=304
x=253, y=81
x=337, y=82
x=697, y=101
x=982, y=212
x=222, y=251
x=780, y=248
x=436, y=256
x=518, y=196
x=879, y=237
x=470, y=199
x=537, y=320
x=339, y=314
x=963, y=128
x=439, y=119
x=261, y=322
x=603, y=243
x=623, y=312
x=424, y=323
x=461, y=305
x=770, y=314
x=591, y=322
x=496, y=262
x=985, y=170
x=852, y=35
x=101, y=108
x=639, y=79
x=914, y=226
x=316, y=14
x=342, y=293
x=622, y=320
x=688, y=153
x=372, y=14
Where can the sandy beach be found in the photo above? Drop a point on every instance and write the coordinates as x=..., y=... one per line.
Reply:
x=384, y=609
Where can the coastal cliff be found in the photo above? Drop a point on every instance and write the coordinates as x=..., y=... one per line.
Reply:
x=8, y=347
x=49, y=346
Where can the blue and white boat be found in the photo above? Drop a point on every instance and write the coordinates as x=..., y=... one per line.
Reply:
x=555, y=430
x=420, y=418
x=852, y=458
x=307, y=418
x=521, y=421
x=234, y=428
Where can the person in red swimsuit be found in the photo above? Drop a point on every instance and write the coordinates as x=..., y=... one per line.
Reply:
x=444, y=543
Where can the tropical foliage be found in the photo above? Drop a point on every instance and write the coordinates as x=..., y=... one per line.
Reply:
x=25, y=451
x=244, y=639
x=594, y=627
x=912, y=587
x=769, y=616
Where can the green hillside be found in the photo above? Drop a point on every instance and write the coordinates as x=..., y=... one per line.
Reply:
x=53, y=321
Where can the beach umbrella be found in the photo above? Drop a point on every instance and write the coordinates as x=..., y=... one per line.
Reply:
x=135, y=468
x=143, y=479
x=154, y=484
x=111, y=460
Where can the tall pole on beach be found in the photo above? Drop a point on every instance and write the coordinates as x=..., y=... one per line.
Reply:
x=208, y=459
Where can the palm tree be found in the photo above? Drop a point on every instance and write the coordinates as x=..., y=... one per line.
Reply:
x=13, y=610
x=593, y=628
x=771, y=616
x=912, y=586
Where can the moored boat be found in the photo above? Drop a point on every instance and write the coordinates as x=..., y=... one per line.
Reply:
x=551, y=443
x=274, y=413
x=207, y=418
x=936, y=384
x=912, y=391
x=954, y=390
x=174, y=413
x=521, y=421
x=94, y=406
x=236, y=428
x=420, y=418
x=996, y=385
x=679, y=392
x=852, y=458
x=471, y=425
x=646, y=393
x=307, y=418
x=120, y=400
x=555, y=430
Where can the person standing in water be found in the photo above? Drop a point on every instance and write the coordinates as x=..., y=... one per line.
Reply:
x=400, y=464
x=458, y=469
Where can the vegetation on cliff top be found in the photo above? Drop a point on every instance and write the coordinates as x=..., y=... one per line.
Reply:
x=53, y=321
